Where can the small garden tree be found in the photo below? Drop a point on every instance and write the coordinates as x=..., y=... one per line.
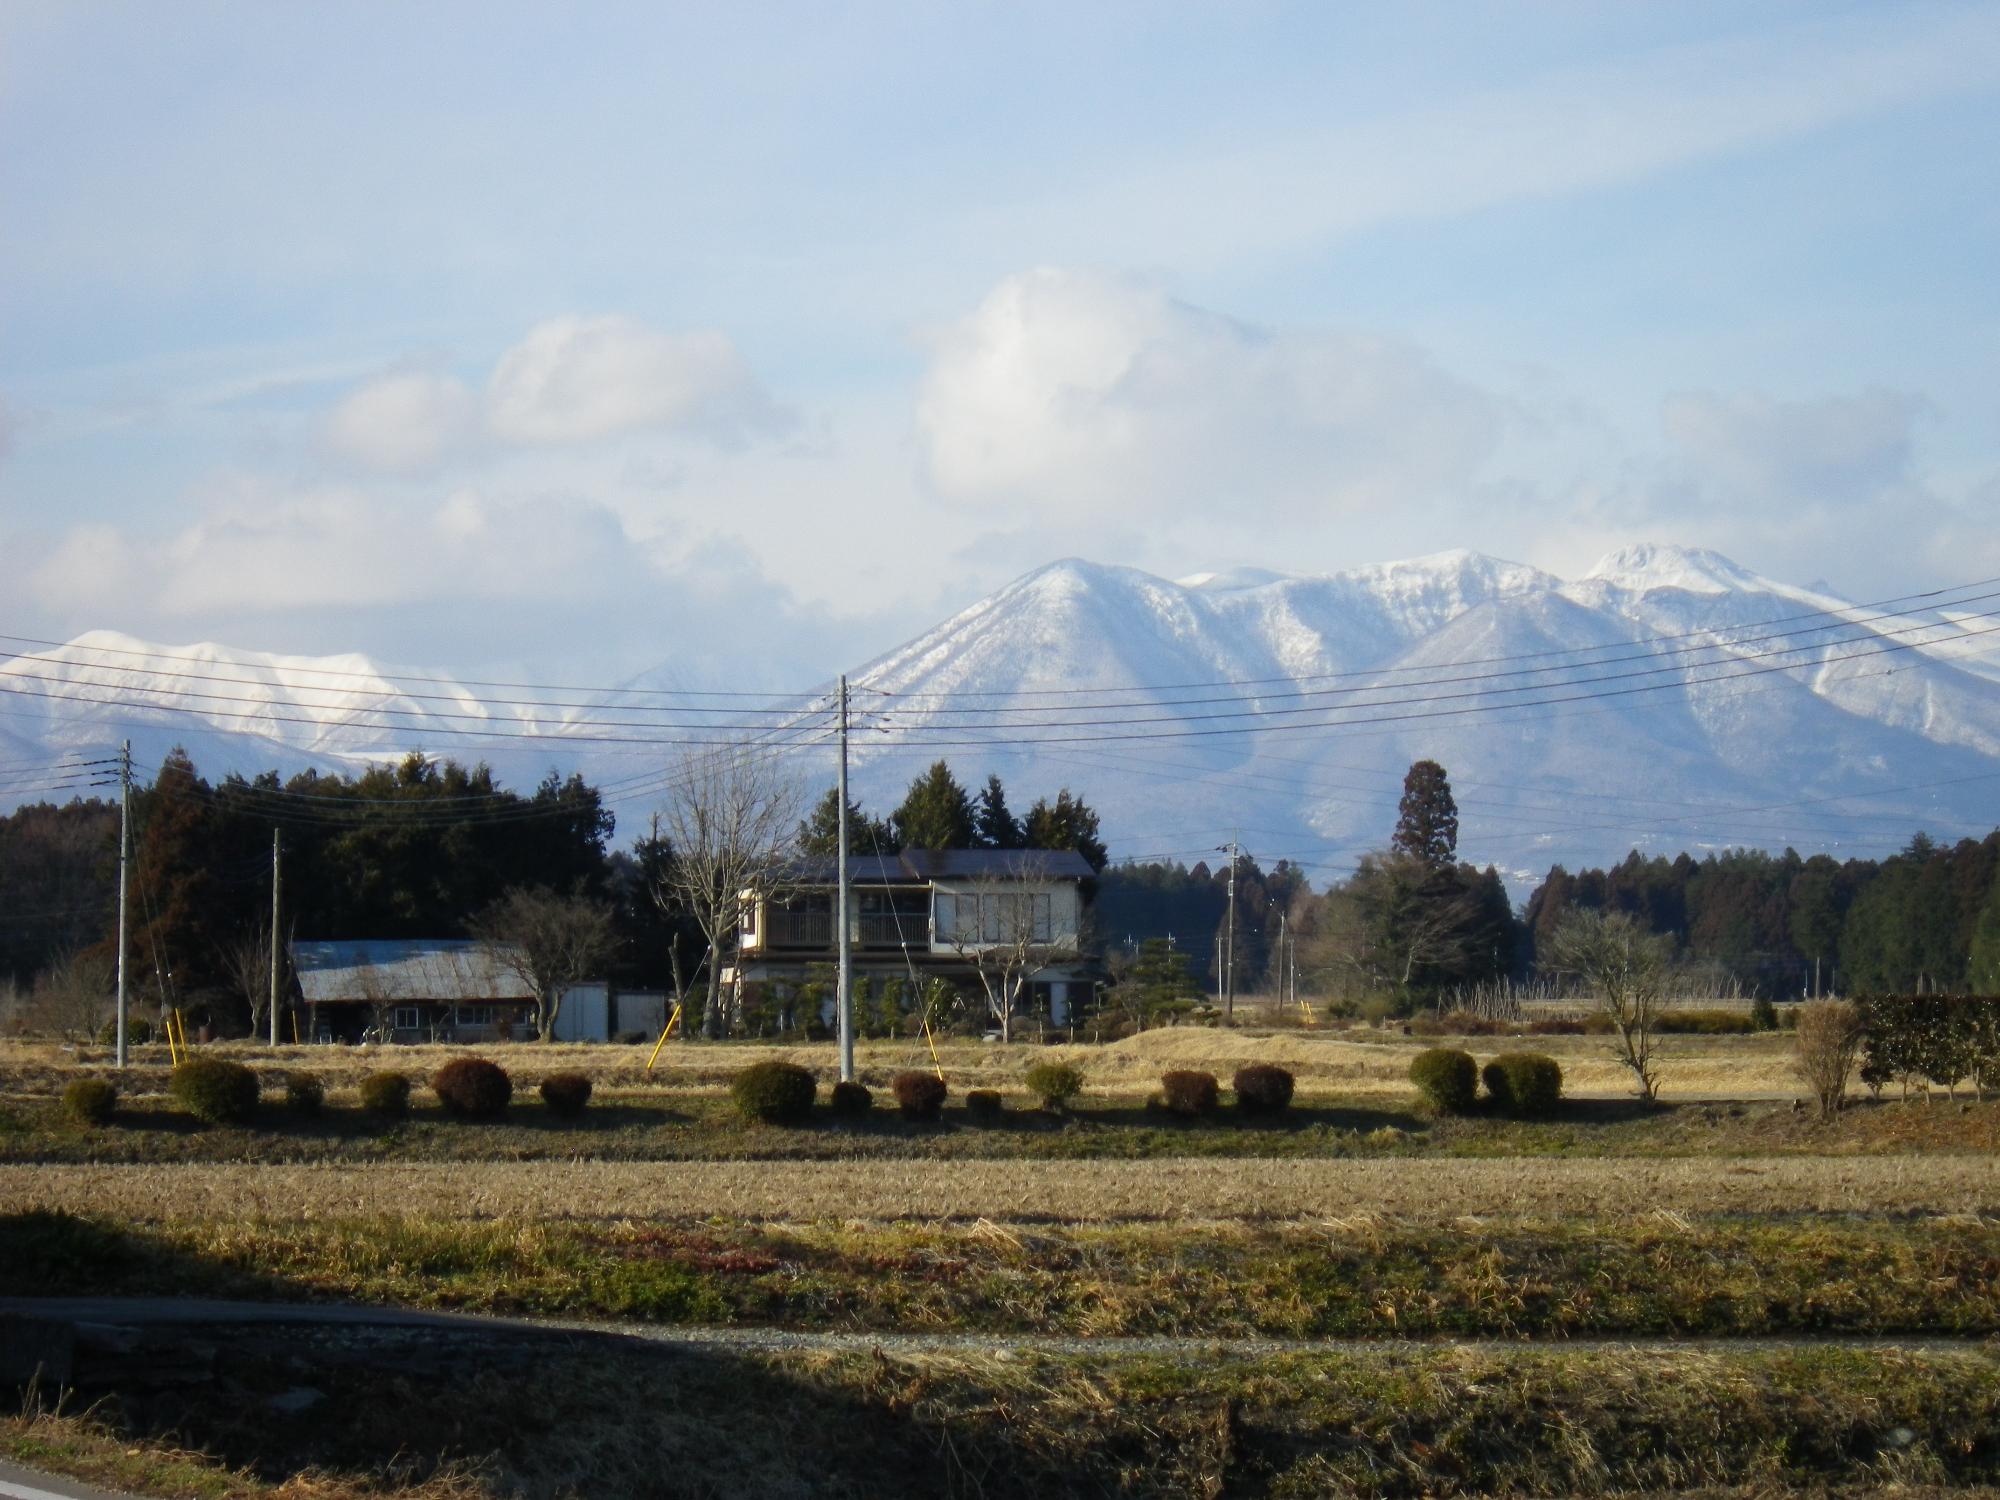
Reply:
x=1625, y=966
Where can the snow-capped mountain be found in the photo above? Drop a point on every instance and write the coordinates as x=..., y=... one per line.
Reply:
x=1668, y=699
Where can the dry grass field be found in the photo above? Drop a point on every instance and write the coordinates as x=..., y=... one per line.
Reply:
x=1433, y=1189
x=1359, y=1061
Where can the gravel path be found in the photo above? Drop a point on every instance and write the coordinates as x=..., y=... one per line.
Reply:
x=1180, y=1189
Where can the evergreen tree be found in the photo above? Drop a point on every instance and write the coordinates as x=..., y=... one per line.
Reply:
x=819, y=834
x=1067, y=823
x=936, y=813
x=997, y=827
x=1984, y=969
x=1427, y=825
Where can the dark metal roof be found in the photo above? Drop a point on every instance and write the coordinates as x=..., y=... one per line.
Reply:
x=921, y=866
x=446, y=969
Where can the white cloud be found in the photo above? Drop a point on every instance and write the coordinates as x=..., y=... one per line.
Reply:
x=1831, y=450
x=576, y=379
x=1070, y=389
x=403, y=423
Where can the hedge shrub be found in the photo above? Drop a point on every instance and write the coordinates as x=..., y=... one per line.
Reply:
x=566, y=1094
x=304, y=1093
x=984, y=1105
x=920, y=1096
x=1447, y=1078
x=1190, y=1094
x=1704, y=1023
x=215, y=1090
x=1525, y=1083
x=1054, y=1083
x=850, y=1100
x=473, y=1088
x=1262, y=1089
x=386, y=1094
x=90, y=1101
x=777, y=1093
x=138, y=1032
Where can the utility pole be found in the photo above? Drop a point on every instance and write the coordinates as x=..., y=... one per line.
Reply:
x=844, y=990
x=1281, y=958
x=124, y=857
x=276, y=879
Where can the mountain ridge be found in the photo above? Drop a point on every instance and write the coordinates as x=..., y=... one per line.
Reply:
x=1645, y=703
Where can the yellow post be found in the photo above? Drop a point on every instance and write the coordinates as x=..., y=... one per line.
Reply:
x=295, y=1028
x=933, y=1045
x=663, y=1038
x=173, y=1042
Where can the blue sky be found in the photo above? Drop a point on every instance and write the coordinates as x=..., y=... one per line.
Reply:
x=759, y=337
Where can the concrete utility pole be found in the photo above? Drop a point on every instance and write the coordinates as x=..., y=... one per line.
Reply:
x=843, y=1003
x=276, y=878
x=1229, y=963
x=124, y=857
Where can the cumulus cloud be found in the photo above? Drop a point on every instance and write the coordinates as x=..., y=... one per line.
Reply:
x=576, y=379
x=1069, y=388
x=569, y=381
x=403, y=423
x=1831, y=450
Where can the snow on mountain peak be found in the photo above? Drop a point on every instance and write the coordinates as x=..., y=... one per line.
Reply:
x=1645, y=566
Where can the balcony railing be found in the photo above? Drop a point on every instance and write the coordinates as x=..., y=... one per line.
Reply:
x=814, y=929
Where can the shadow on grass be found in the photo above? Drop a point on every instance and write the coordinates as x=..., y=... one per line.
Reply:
x=46, y=1253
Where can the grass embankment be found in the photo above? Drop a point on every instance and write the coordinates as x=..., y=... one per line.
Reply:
x=1365, y=1278
x=460, y=1418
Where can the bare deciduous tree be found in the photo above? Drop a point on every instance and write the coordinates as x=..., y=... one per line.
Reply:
x=547, y=940
x=246, y=960
x=1829, y=1041
x=1626, y=966
x=731, y=821
x=1393, y=923
x=74, y=996
x=995, y=925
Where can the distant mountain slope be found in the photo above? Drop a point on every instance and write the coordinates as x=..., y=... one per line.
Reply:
x=1669, y=698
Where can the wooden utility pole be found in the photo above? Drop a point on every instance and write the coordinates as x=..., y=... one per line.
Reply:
x=1229, y=954
x=276, y=885
x=124, y=858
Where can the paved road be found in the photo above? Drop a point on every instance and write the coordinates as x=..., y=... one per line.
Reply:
x=17, y=1483
x=156, y=1311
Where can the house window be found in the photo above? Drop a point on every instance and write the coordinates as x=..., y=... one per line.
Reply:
x=750, y=919
x=407, y=1018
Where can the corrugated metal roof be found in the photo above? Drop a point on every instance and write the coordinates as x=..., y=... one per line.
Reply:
x=924, y=865
x=446, y=969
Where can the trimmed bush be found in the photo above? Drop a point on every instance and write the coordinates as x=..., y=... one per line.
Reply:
x=850, y=1100
x=473, y=1088
x=304, y=1093
x=215, y=1090
x=920, y=1096
x=1263, y=1090
x=1192, y=1095
x=1703, y=1023
x=566, y=1094
x=90, y=1101
x=1525, y=1083
x=1447, y=1078
x=138, y=1032
x=777, y=1093
x=1054, y=1083
x=386, y=1094
x=984, y=1105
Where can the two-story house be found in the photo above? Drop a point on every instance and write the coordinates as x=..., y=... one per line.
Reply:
x=925, y=914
